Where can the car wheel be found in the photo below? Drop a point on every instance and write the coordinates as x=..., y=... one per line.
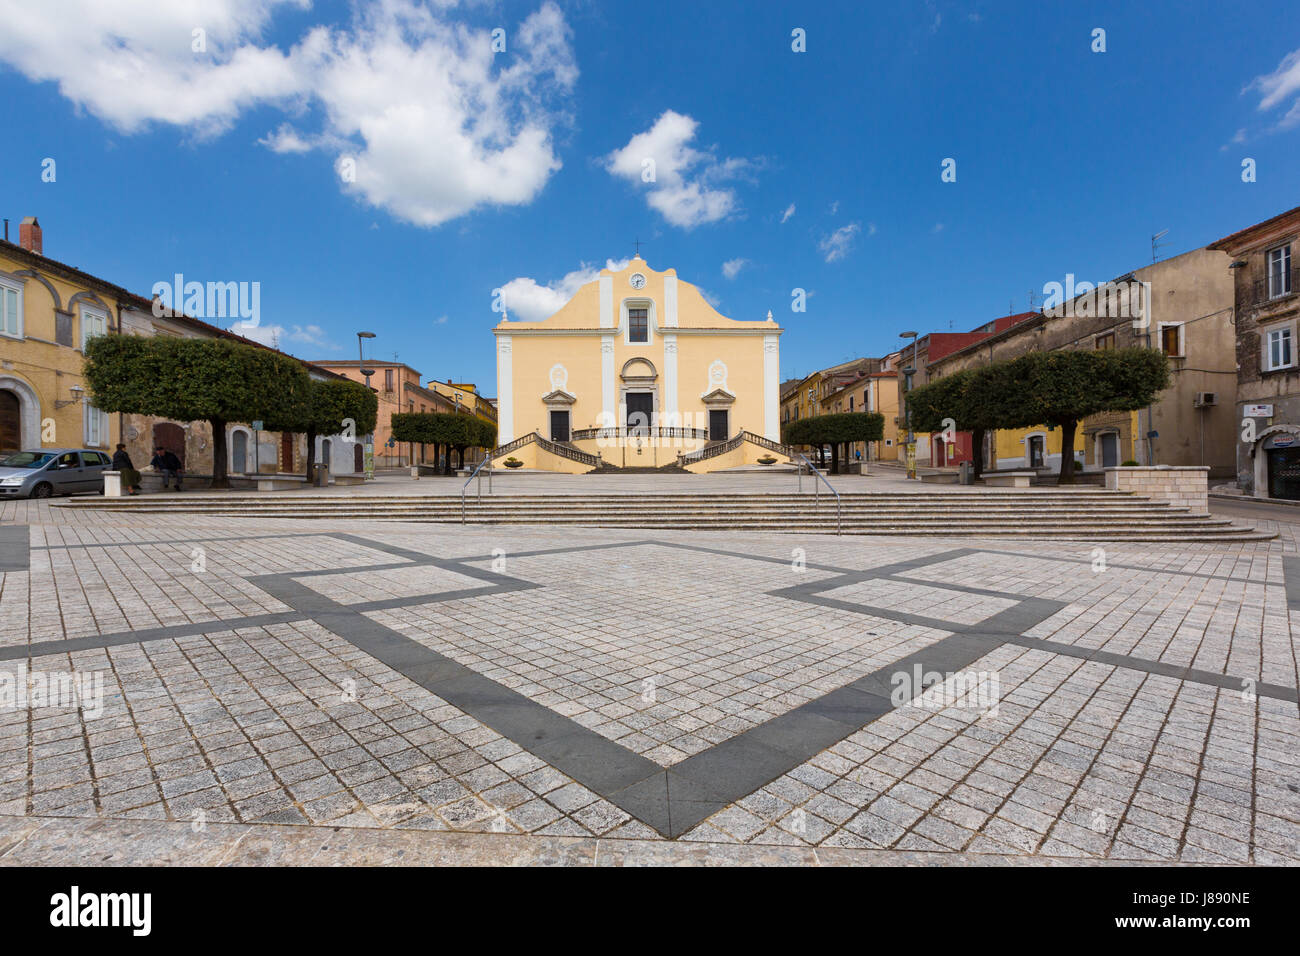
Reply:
x=43, y=490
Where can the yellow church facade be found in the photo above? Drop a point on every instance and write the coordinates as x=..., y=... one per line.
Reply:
x=638, y=370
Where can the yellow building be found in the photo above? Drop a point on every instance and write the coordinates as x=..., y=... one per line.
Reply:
x=47, y=312
x=638, y=370
x=464, y=395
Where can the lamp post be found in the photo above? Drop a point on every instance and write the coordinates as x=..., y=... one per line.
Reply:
x=908, y=372
x=369, y=447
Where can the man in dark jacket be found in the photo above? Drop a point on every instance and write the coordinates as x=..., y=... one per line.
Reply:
x=164, y=461
x=122, y=465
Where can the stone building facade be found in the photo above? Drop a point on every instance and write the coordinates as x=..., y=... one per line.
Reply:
x=1183, y=306
x=1266, y=289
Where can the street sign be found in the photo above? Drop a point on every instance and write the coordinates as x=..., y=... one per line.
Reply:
x=257, y=426
x=1257, y=411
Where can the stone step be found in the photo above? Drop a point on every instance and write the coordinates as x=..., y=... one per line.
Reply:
x=1074, y=515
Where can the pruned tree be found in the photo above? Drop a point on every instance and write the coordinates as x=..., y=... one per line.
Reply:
x=325, y=409
x=1060, y=388
x=837, y=430
x=444, y=430
x=212, y=380
x=964, y=401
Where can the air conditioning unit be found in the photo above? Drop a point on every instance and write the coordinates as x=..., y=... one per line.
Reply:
x=1204, y=399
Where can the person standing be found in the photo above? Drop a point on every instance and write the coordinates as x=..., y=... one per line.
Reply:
x=165, y=461
x=123, y=466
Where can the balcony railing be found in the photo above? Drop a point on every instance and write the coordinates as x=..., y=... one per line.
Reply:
x=1276, y=286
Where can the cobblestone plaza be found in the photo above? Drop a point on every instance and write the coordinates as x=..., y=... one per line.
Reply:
x=275, y=689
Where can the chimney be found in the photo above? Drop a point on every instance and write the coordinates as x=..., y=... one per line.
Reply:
x=29, y=235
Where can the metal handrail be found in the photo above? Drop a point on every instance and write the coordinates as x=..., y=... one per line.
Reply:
x=813, y=468
x=487, y=460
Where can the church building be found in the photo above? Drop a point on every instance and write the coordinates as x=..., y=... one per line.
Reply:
x=638, y=370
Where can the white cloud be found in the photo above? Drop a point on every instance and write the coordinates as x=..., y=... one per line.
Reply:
x=440, y=129
x=438, y=125
x=685, y=188
x=938, y=227
x=131, y=64
x=731, y=268
x=527, y=300
x=286, y=139
x=836, y=246
x=281, y=337
x=1280, y=85
x=835, y=207
x=789, y=211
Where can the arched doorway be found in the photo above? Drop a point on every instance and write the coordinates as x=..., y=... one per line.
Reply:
x=20, y=415
x=640, y=396
x=239, y=452
x=11, y=423
x=170, y=436
x=358, y=458
x=1277, y=463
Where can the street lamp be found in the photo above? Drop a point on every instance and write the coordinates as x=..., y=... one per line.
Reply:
x=366, y=373
x=77, y=392
x=908, y=372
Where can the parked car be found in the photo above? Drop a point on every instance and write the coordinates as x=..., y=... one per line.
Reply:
x=52, y=471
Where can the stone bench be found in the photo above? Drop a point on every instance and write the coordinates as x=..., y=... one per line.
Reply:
x=279, y=482
x=1009, y=479
x=349, y=479
x=941, y=477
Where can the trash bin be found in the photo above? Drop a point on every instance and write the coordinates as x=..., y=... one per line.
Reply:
x=967, y=473
x=322, y=476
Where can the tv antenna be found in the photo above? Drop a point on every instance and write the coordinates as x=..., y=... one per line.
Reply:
x=1156, y=244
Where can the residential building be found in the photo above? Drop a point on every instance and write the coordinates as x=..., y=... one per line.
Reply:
x=48, y=311
x=398, y=389
x=1181, y=305
x=465, y=396
x=1266, y=414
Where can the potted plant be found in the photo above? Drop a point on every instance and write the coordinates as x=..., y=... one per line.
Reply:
x=767, y=460
x=513, y=462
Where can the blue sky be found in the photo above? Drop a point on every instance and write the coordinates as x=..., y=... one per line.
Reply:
x=478, y=170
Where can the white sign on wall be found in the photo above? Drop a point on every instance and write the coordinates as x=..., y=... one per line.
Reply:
x=1257, y=411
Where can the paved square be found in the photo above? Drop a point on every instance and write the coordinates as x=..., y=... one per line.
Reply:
x=697, y=687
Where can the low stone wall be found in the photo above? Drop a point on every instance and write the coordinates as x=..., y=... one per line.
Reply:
x=1185, y=486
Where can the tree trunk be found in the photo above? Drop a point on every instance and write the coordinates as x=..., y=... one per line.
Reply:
x=977, y=452
x=1067, y=452
x=311, y=453
x=460, y=456
x=220, y=478
x=835, y=458
x=447, y=468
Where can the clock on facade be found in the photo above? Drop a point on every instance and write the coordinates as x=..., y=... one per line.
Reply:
x=637, y=281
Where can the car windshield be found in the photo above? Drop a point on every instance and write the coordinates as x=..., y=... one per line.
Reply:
x=26, y=459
